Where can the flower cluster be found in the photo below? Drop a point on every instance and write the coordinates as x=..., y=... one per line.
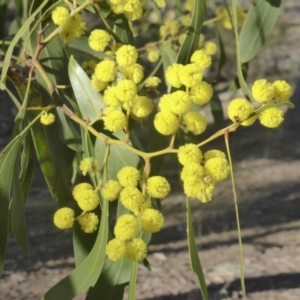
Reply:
x=201, y=172
x=47, y=118
x=127, y=241
x=242, y=111
x=71, y=27
x=226, y=19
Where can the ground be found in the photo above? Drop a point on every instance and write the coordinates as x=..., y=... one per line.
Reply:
x=267, y=177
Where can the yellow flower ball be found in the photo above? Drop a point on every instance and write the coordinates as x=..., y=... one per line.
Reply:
x=202, y=93
x=88, y=164
x=152, y=220
x=111, y=190
x=115, y=120
x=173, y=75
x=127, y=227
x=213, y=154
x=186, y=20
x=88, y=222
x=106, y=71
x=129, y=176
x=131, y=198
x=190, y=75
x=217, y=168
x=189, y=153
x=136, y=250
x=166, y=122
x=210, y=48
x=97, y=84
x=282, y=90
x=201, y=59
x=47, y=118
x=126, y=56
x=110, y=97
x=263, y=91
x=152, y=82
x=158, y=187
x=165, y=102
x=194, y=122
x=239, y=110
x=179, y=102
x=153, y=54
x=192, y=172
x=271, y=117
x=86, y=197
x=64, y=218
x=126, y=90
x=60, y=15
x=204, y=193
x=99, y=39
x=115, y=249
x=142, y=106
x=135, y=73
x=189, y=5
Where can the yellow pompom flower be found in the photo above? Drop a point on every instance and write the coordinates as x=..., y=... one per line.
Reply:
x=110, y=97
x=111, y=190
x=152, y=82
x=153, y=54
x=99, y=39
x=192, y=186
x=126, y=56
x=160, y=3
x=126, y=90
x=181, y=38
x=142, y=106
x=97, y=84
x=158, y=187
x=131, y=198
x=202, y=93
x=136, y=14
x=190, y=75
x=282, y=90
x=47, y=118
x=136, y=250
x=271, y=117
x=186, y=20
x=189, y=5
x=152, y=220
x=239, y=110
x=173, y=26
x=210, y=48
x=201, y=59
x=60, y=15
x=86, y=197
x=88, y=164
x=134, y=72
x=179, y=102
x=213, y=154
x=204, y=193
x=165, y=102
x=189, y=153
x=192, y=172
x=115, y=120
x=194, y=122
x=106, y=71
x=115, y=249
x=166, y=122
x=263, y=91
x=173, y=75
x=88, y=222
x=72, y=28
x=64, y=218
x=217, y=168
x=126, y=228
x=129, y=176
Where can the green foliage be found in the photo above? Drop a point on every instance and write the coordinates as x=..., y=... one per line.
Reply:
x=53, y=85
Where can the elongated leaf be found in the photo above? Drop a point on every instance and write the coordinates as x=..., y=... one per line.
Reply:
x=8, y=158
x=15, y=40
x=132, y=282
x=259, y=23
x=193, y=251
x=123, y=31
x=18, y=219
x=113, y=280
x=89, y=100
x=191, y=41
x=88, y=272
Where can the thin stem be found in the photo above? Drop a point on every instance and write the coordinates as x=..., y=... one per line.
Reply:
x=242, y=267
